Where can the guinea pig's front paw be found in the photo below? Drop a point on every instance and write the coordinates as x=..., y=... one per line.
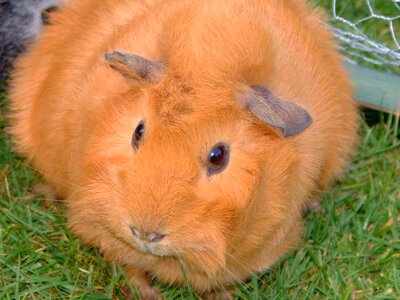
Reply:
x=48, y=193
x=140, y=280
x=218, y=295
x=314, y=205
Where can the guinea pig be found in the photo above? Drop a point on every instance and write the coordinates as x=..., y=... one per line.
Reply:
x=186, y=137
x=21, y=22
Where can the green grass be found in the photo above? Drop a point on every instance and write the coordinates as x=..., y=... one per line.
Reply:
x=350, y=251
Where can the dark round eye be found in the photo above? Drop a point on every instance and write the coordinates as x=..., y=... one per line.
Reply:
x=217, y=158
x=137, y=135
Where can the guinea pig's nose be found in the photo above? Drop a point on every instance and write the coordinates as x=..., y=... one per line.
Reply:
x=155, y=237
x=135, y=232
x=152, y=237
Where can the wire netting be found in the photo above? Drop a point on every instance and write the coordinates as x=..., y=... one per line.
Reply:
x=369, y=31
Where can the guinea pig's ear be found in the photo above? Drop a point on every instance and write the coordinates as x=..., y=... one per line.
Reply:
x=289, y=117
x=134, y=67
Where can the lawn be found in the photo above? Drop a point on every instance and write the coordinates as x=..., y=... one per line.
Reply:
x=349, y=251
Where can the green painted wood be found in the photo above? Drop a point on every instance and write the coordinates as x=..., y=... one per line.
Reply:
x=375, y=89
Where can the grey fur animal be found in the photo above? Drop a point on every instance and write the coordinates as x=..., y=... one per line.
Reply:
x=21, y=22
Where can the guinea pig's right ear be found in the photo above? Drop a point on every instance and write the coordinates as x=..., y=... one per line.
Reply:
x=287, y=116
x=135, y=68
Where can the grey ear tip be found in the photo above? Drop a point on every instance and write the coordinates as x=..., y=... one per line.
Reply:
x=309, y=120
x=107, y=56
x=113, y=55
x=300, y=127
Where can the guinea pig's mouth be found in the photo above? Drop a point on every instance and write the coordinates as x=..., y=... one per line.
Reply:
x=154, y=250
x=146, y=248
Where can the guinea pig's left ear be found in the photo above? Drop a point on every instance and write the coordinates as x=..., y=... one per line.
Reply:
x=289, y=117
x=134, y=67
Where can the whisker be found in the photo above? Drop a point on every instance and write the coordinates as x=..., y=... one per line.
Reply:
x=55, y=179
x=234, y=276
x=246, y=268
x=30, y=197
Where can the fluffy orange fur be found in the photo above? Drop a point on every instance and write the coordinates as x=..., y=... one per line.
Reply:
x=73, y=117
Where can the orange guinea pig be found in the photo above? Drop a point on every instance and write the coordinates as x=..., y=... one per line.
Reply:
x=185, y=136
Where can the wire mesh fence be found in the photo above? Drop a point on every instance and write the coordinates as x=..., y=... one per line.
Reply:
x=369, y=31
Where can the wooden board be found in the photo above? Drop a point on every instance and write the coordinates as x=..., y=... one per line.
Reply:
x=376, y=90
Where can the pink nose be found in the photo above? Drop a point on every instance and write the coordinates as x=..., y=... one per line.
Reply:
x=152, y=237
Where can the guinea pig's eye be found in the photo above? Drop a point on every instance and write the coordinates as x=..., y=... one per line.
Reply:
x=217, y=158
x=137, y=135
